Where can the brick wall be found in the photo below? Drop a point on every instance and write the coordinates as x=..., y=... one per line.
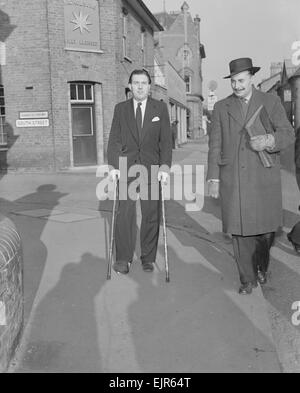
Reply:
x=26, y=82
x=39, y=69
x=67, y=66
x=37, y=59
x=11, y=291
x=126, y=66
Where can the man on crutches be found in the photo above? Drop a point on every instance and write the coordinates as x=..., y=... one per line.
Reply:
x=140, y=134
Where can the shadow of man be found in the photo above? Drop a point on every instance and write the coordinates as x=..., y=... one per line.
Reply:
x=63, y=335
x=25, y=213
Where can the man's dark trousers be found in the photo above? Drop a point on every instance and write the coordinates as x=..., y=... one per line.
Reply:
x=126, y=227
x=252, y=253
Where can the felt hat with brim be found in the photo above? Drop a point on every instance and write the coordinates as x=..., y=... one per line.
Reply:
x=239, y=65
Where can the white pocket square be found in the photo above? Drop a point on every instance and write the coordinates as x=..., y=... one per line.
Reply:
x=155, y=119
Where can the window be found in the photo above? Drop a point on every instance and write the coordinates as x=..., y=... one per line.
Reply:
x=3, y=136
x=81, y=92
x=185, y=55
x=125, y=34
x=188, y=83
x=82, y=100
x=82, y=120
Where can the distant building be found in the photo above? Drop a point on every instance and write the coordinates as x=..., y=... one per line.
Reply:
x=170, y=86
x=271, y=84
x=285, y=89
x=294, y=82
x=182, y=47
x=282, y=82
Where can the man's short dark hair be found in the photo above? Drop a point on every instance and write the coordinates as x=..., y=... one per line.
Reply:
x=140, y=72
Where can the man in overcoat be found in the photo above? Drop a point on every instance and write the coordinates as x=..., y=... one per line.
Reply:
x=250, y=193
x=294, y=234
x=140, y=134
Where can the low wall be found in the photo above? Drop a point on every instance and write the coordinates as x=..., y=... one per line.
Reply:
x=11, y=291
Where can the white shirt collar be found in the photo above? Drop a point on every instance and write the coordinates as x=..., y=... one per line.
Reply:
x=248, y=97
x=143, y=106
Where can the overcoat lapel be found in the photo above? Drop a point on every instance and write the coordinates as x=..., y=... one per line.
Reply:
x=255, y=102
x=130, y=117
x=235, y=110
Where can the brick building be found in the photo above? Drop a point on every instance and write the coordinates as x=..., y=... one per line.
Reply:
x=182, y=47
x=64, y=65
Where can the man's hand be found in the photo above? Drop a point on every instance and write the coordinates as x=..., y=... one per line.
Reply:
x=262, y=142
x=114, y=175
x=214, y=189
x=163, y=177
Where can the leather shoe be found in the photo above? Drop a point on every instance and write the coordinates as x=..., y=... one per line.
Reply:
x=296, y=246
x=121, y=267
x=148, y=266
x=261, y=277
x=246, y=289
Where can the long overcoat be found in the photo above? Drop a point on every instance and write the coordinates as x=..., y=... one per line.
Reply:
x=250, y=194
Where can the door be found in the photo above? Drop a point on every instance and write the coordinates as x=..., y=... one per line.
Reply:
x=83, y=125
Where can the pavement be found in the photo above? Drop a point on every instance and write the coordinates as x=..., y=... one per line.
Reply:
x=77, y=321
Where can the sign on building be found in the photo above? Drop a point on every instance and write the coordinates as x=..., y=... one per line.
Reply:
x=32, y=123
x=34, y=115
x=82, y=25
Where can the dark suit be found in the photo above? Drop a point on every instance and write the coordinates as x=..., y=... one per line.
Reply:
x=152, y=147
x=251, y=200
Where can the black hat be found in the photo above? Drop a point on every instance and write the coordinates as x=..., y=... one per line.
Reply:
x=239, y=65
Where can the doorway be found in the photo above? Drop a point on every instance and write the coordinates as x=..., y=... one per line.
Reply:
x=84, y=139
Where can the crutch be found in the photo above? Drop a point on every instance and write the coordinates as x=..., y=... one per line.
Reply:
x=165, y=232
x=112, y=229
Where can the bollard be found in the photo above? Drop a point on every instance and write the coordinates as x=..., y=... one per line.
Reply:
x=11, y=291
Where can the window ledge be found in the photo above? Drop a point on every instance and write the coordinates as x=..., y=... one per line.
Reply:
x=3, y=147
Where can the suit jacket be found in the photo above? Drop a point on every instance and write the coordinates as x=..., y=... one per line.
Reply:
x=251, y=195
x=155, y=145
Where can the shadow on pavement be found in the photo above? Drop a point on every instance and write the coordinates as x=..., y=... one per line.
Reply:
x=197, y=322
x=63, y=335
x=31, y=230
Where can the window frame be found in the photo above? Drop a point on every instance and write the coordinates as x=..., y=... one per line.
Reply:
x=188, y=83
x=90, y=107
x=85, y=100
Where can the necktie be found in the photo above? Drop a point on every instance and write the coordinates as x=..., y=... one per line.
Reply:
x=244, y=103
x=138, y=117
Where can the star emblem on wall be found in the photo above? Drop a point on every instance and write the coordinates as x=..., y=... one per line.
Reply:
x=81, y=22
